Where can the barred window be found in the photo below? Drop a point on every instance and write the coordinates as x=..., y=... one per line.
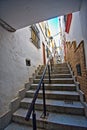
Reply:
x=35, y=36
x=78, y=67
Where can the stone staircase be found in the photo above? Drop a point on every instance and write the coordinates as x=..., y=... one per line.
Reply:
x=64, y=109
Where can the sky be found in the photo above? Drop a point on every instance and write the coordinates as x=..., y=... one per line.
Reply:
x=53, y=25
x=54, y=28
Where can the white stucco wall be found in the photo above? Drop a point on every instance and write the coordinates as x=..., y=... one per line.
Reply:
x=78, y=28
x=83, y=19
x=15, y=48
x=75, y=32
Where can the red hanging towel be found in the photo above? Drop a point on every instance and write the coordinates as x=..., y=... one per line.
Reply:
x=68, y=22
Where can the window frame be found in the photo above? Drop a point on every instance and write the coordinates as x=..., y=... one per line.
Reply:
x=35, y=36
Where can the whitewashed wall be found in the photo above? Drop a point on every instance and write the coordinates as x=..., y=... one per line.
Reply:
x=83, y=19
x=15, y=48
x=75, y=32
x=78, y=29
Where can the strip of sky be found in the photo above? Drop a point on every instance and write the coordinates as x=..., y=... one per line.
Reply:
x=53, y=25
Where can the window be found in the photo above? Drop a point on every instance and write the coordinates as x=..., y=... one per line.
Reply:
x=35, y=36
x=78, y=67
x=28, y=62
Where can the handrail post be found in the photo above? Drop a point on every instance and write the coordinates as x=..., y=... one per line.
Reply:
x=51, y=66
x=44, y=103
x=34, y=119
x=49, y=74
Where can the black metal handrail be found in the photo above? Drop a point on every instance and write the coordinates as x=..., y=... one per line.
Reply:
x=32, y=105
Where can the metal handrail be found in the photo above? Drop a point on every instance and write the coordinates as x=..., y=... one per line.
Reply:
x=36, y=93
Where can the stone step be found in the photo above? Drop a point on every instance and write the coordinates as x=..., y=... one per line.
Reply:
x=57, y=68
x=56, y=72
x=20, y=114
x=57, y=95
x=54, y=121
x=57, y=80
x=56, y=76
x=56, y=106
x=58, y=87
x=17, y=126
x=58, y=65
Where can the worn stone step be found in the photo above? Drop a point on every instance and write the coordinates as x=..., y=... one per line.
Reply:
x=58, y=87
x=58, y=95
x=58, y=65
x=54, y=121
x=20, y=114
x=69, y=107
x=56, y=76
x=57, y=80
x=57, y=68
x=56, y=72
x=17, y=126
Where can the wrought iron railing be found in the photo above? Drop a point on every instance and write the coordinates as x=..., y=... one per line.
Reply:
x=32, y=105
